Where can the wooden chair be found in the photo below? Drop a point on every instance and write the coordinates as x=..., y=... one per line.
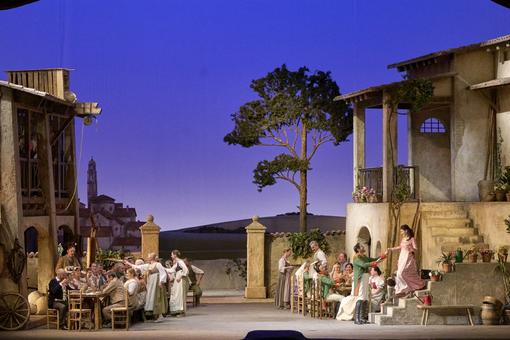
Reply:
x=77, y=315
x=316, y=299
x=53, y=318
x=121, y=314
x=194, y=298
x=294, y=294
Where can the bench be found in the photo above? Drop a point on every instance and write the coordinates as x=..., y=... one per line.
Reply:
x=427, y=309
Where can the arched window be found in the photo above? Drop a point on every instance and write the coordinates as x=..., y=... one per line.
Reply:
x=432, y=125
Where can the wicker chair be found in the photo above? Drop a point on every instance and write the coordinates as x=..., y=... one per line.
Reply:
x=77, y=315
x=121, y=314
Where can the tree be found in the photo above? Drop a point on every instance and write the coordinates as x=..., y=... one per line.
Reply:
x=293, y=109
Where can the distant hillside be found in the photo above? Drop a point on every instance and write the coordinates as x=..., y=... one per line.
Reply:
x=274, y=224
x=227, y=240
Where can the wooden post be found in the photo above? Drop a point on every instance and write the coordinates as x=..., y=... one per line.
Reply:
x=390, y=151
x=255, y=260
x=358, y=142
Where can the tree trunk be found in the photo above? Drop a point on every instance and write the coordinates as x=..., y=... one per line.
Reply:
x=303, y=190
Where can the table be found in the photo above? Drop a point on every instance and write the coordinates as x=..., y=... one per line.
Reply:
x=426, y=309
x=96, y=300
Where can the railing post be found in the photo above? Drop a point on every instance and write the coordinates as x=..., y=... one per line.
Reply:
x=255, y=260
x=358, y=143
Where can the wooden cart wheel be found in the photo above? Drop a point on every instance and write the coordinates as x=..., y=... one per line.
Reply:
x=14, y=311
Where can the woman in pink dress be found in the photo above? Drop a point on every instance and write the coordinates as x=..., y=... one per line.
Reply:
x=407, y=280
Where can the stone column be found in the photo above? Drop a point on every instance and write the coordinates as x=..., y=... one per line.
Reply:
x=255, y=260
x=150, y=237
x=358, y=142
x=390, y=152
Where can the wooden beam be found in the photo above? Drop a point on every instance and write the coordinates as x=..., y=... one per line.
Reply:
x=62, y=129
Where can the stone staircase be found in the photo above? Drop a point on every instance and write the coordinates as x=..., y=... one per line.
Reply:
x=467, y=285
x=445, y=228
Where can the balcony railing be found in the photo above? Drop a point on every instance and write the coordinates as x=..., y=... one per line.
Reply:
x=410, y=176
x=371, y=178
x=406, y=175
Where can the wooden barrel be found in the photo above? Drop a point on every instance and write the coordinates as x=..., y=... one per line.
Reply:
x=489, y=314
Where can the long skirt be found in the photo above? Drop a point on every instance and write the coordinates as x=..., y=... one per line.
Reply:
x=348, y=304
x=283, y=289
x=178, y=294
x=155, y=300
x=407, y=278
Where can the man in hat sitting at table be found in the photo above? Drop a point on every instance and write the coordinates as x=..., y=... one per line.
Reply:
x=115, y=291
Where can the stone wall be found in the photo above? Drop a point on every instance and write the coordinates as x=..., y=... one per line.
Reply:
x=275, y=243
x=216, y=276
x=489, y=218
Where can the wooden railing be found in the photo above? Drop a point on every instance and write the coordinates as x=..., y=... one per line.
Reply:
x=372, y=178
x=410, y=176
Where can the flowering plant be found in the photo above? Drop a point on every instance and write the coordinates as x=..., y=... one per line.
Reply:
x=487, y=252
x=363, y=194
x=434, y=273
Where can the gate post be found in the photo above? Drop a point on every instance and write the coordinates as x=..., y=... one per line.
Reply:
x=255, y=260
x=150, y=237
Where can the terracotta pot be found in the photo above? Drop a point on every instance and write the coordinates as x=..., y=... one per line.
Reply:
x=473, y=258
x=485, y=187
x=502, y=257
x=489, y=314
x=500, y=195
x=486, y=257
x=447, y=267
x=435, y=278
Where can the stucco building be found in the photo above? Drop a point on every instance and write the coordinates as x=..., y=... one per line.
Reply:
x=118, y=228
x=38, y=166
x=451, y=147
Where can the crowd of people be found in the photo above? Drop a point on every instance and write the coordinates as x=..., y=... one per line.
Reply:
x=156, y=290
x=351, y=286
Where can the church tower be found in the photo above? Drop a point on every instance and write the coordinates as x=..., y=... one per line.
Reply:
x=91, y=181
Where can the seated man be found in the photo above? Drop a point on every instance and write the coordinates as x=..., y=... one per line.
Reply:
x=56, y=288
x=132, y=287
x=195, y=275
x=376, y=283
x=328, y=286
x=69, y=260
x=115, y=290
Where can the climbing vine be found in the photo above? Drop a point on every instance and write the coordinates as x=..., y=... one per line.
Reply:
x=300, y=243
x=416, y=93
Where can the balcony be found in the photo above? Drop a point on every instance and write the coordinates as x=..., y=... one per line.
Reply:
x=403, y=175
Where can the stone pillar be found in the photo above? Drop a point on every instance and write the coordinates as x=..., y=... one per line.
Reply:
x=390, y=152
x=150, y=237
x=358, y=142
x=255, y=260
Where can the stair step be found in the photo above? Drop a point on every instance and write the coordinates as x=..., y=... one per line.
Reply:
x=455, y=231
x=448, y=222
x=457, y=213
x=448, y=247
x=463, y=240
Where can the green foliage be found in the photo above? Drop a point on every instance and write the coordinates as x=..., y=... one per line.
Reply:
x=267, y=172
x=104, y=257
x=236, y=266
x=507, y=223
x=445, y=258
x=300, y=243
x=401, y=190
x=416, y=92
x=504, y=179
x=498, y=163
x=293, y=109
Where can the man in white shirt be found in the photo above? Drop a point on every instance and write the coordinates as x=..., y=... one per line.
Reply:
x=318, y=254
x=195, y=275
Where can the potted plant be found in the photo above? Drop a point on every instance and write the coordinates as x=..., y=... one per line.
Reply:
x=500, y=191
x=487, y=255
x=435, y=275
x=502, y=254
x=472, y=254
x=446, y=260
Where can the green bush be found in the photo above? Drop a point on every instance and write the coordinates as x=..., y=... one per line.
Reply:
x=300, y=243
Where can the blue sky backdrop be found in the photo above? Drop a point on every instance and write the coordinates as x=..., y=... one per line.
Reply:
x=168, y=75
